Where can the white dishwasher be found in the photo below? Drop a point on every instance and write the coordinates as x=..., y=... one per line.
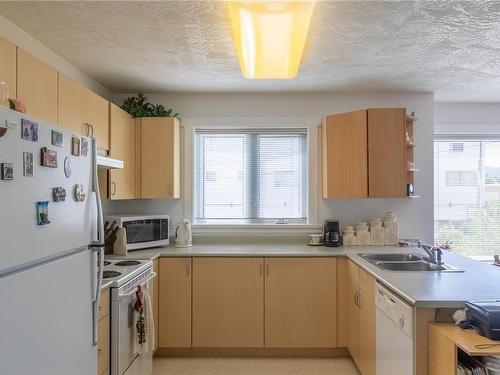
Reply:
x=394, y=334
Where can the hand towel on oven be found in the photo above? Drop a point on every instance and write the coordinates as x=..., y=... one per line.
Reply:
x=143, y=323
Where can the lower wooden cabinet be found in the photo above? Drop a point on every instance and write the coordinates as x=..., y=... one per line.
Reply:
x=358, y=316
x=300, y=302
x=174, y=314
x=103, y=327
x=228, y=302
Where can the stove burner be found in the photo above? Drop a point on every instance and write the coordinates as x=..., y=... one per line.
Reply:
x=106, y=263
x=110, y=274
x=128, y=263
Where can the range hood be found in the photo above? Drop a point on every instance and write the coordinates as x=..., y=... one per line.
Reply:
x=105, y=162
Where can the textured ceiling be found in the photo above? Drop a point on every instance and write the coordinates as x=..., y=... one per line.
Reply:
x=448, y=47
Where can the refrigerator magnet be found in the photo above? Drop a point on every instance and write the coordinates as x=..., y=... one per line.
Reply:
x=79, y=193
x=57, y=138
x=29, y=130
x=28, y=164
x=48, y=158
x=42, y=212
x=59, y=194
x=84, y=146
x=67, y=167
x=7, y=171
x=75, y=146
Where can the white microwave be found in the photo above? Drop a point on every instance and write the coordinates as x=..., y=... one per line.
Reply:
x=143, y=231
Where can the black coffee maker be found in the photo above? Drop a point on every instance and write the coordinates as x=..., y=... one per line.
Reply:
x=331, y=233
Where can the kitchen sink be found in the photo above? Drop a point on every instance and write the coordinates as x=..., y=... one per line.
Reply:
x=394, y=257
x=402, y=262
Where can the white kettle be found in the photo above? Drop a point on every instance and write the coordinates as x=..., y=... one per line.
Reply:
x=183, y=237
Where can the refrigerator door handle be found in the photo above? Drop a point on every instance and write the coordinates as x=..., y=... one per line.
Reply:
x=95, y=188
x=99, y=252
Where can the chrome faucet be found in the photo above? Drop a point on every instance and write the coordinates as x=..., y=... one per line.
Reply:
x=434, y=252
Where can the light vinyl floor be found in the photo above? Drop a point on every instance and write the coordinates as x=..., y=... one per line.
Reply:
x=254, y=366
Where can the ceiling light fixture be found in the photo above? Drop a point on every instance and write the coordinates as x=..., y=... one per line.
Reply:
x=270, y=36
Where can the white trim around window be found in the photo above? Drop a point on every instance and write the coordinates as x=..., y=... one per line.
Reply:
x=312, y=125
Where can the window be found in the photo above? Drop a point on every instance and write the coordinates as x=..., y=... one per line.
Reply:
x=467, y=195
x=456, y=147
x=250, y=176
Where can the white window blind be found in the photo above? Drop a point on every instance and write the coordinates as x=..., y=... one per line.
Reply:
x=467, y=194
x=250, y=176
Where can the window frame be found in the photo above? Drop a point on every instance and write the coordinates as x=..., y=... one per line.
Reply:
x=312, y=126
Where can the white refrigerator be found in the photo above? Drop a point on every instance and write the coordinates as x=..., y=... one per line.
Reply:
x=50, y=275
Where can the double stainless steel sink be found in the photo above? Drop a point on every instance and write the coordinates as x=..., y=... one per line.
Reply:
x=406, y=263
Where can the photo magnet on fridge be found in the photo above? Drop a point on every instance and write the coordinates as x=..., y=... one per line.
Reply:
x=29, y=130
x=28, y=164
x=7, y=171
x=57, y=138
x=42, y=212
x=59, y=194
x=48, y=158
x=84, y=145
x=75, y=146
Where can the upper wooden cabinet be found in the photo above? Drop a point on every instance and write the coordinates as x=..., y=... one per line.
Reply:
x=158, y=149
x=345, y=161
x=366, y=155
x=8, y=65
x=83, y=111
x=301, y=302
x=122, y=147
x=228, y=302
x=37, y=87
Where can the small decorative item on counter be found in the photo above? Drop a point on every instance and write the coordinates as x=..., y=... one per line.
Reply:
x=59, y=194
x=7, y=171
x=75, y=146
x=349, y=236
x=28, y=164
x=48, y=158
x=57, y=138
x=362, y=234
x=42, y=212
x=315, y=240
x=376, y=232
x=120, y=242
x=79, y=193
x=67, y=167
x=391, y=229
x=29, y=130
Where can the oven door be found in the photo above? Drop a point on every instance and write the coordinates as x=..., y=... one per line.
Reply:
x=124, y=360
x=146, y=233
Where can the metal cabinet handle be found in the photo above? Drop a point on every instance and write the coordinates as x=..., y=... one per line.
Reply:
x=113, y=190
x=90, y=130
x=357, y=299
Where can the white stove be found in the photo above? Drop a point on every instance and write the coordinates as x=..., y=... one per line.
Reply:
x=119, y=271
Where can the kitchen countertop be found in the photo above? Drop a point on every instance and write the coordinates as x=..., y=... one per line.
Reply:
x=480, y=280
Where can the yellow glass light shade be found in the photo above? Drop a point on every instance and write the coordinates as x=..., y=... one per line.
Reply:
x=270, y=36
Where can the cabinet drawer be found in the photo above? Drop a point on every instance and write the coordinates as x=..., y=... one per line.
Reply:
x=103, y=345
x=104, y=305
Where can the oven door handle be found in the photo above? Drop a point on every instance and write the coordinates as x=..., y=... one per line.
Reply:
x=128, y=294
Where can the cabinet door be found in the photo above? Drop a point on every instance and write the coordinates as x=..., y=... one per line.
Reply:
x=228, y=302
x=71, y=107
x=37, y=87
x=8, y=66
x=386, y=144
x=156, y=269
x=97, y=115
x=353, y=313
x=175, y=303
x=442, y=354
x=367, y=328
x=122, y=129
x=160, y=158
x=345, y=159
x=103, y=346
x=300, y=302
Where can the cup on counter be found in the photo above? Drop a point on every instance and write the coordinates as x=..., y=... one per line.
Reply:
x=315, y=240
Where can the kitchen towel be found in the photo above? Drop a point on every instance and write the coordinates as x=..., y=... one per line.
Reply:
x=143, y=322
